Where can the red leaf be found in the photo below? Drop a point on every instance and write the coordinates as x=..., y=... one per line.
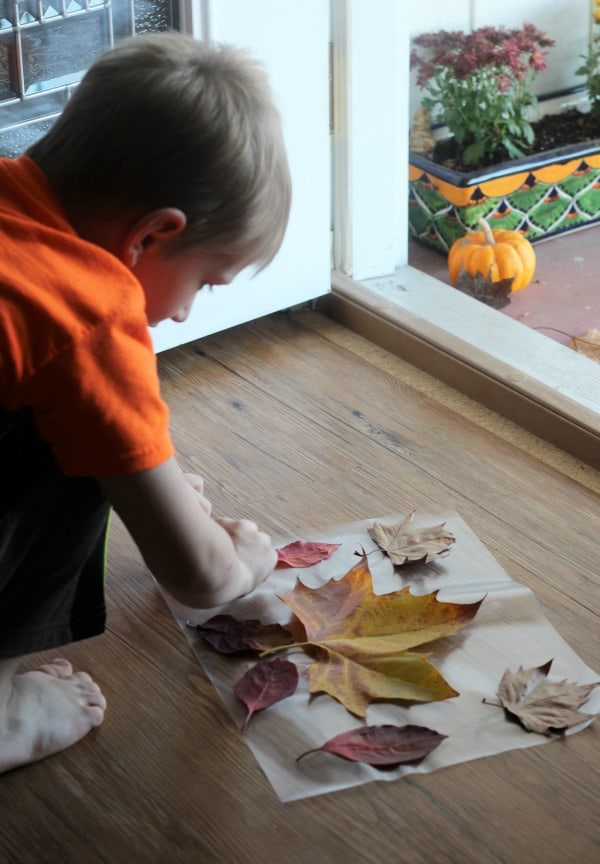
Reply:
x=266, y=683
x=304, y=554
x=229, y=636
x=382, y=746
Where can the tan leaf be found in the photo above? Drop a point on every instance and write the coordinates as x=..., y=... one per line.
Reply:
x=588, y=344
x=361, y=639
x=422, y=139
x=541, y=705
x=405, y=544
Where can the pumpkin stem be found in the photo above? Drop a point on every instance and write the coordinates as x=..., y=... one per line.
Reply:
x=489, y=237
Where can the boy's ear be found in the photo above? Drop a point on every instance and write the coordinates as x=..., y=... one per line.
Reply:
x=156, y=227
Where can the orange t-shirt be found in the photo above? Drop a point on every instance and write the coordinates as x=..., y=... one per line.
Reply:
x=74, y=340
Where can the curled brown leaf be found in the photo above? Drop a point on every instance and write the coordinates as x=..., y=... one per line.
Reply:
x=540, y=705
x=588, y=344
x=406, y=544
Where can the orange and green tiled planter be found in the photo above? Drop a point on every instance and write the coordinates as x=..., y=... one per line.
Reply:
x=540, y=196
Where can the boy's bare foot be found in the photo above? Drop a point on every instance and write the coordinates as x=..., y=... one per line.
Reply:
x=45, y=711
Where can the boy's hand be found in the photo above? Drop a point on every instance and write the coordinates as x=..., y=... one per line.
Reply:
x=197, y=484
x=201, y=561
x=252, y=546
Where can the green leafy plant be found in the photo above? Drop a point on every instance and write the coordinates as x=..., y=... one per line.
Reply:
x=479, y=85
x=591, y=63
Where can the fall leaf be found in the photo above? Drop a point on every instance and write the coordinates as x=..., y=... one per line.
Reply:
x=229, y=636
x=495, y=294
x=362, y=639
x=541, y=705
x=382, y=746
x=304, y=554
x=405, y=544
x=264, y=684
x=588, y=344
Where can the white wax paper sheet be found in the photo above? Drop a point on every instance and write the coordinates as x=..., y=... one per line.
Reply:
x=509, y=630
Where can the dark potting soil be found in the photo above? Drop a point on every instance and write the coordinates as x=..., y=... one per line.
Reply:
x=552, y=131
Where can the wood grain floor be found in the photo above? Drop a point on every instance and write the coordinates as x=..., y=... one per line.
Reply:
x=292, y=424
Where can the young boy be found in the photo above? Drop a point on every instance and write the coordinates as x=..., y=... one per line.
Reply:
x=166, y=172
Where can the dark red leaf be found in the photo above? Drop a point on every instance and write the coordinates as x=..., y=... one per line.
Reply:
x=382, y=746
x=266, y=683
x=227, y=635
x=304, y=554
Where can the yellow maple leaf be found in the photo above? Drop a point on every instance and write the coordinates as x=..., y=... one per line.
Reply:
x=361, y=640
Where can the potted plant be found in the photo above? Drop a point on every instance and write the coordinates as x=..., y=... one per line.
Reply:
x=491, y=165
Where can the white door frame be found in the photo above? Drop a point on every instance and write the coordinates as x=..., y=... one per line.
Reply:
x=370, y=138
x=370, y=146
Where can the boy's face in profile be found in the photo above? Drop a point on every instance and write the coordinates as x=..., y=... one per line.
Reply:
x=171, y=282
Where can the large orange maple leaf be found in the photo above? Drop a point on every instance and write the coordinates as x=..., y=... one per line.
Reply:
x=362, y=639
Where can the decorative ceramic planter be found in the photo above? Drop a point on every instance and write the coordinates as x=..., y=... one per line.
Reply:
x=542, y=195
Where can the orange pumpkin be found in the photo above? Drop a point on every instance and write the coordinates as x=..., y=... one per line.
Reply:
x=496, y=255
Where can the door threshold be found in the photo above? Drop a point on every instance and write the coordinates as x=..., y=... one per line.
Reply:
x=543, y=386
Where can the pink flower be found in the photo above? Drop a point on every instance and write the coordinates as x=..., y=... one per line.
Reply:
x=465, y=66
x=510, y=53
x=461, y=54
x=537, y=61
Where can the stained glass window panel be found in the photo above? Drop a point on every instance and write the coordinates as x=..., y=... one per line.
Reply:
x=45, y=48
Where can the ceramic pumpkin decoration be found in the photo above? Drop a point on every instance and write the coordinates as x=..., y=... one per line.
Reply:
x=495, y=255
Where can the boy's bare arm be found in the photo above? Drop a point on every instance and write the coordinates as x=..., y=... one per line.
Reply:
x=201, y=561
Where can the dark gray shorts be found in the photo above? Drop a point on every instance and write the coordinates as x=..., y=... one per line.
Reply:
x=53, y=532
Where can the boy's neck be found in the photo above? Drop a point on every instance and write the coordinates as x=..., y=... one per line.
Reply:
x=105, y=229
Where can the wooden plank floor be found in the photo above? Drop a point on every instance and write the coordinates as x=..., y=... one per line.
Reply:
x=292, y=424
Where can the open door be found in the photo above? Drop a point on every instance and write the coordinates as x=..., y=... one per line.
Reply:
x=45, y=49
x=291, y=39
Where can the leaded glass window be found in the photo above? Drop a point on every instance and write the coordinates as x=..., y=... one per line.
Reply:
x=46, y=46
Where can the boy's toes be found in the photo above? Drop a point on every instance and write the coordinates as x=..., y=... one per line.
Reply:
x=95, y=714
x=95, y=697
x=58, y=668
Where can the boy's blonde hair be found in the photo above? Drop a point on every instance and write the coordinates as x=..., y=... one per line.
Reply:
x=162, y=120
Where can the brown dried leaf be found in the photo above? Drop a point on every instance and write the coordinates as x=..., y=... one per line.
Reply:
x=264, y=684
x=494, y=294
x=405, y=544
x=382, y=746
x=588, y=344
x=227, y=635
x=362, y=639
x=302, y=553
x=540, y=705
